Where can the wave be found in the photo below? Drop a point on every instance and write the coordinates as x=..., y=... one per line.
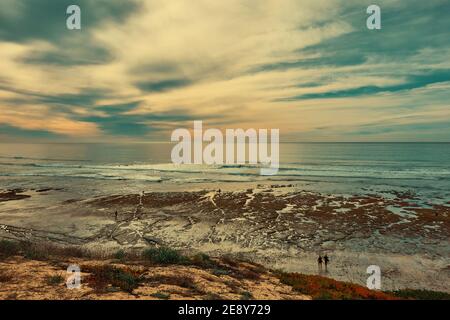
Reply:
x=43, y=159
x=232, y=172
x=82, y=176
x=202, y=168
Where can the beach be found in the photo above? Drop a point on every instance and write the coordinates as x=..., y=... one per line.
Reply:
x=283, y=222
x=275, y=225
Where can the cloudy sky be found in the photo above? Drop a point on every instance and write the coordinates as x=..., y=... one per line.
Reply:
x=140, y=68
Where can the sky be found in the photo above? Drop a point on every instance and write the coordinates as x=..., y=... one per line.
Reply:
x=138, y=69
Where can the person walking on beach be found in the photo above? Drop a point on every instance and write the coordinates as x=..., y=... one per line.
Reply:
x=319, y=262
x=326, y=260
x=115, y=215
x=141, y=198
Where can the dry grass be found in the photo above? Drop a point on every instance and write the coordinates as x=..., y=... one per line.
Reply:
x=39, y=251
x=5, y=277
x=179, y=281
x=239, y=270
x=204, y=261
x=9, y=248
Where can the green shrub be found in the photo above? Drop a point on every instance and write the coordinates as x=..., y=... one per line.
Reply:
x=164, y=255
x=324, y=296
x=161, y=295
x=54, y=280
x=220, y=272
x=246, y=295
x=120, y=255
x=103, y=276
x=420, y=294
x=9, y=248
x=126, y=281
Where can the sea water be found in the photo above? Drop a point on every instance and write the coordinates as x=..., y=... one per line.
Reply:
x=422, y=168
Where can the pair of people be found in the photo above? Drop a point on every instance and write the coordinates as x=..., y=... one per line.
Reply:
x=325, y=260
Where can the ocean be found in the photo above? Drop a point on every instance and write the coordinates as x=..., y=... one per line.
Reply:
x=423, y=168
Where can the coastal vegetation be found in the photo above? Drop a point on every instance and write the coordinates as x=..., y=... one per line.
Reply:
x=166, y=273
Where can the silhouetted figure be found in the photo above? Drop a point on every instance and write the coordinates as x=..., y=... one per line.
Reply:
x=326, y=260
x=319, y=262
x=115, y=215
x=141, y=198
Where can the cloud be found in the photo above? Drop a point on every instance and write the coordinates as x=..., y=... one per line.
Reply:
x=412, y=82
x=32, y=119
x=30, y=20
x=162, y=86
x=118, y=123
x=75, y=55
x=7, y=130
x=140, y=68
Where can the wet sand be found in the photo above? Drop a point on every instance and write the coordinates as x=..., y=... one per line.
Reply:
x=280, y=226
